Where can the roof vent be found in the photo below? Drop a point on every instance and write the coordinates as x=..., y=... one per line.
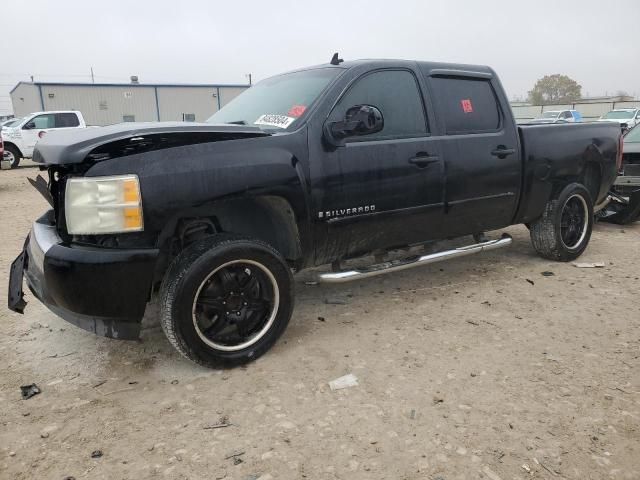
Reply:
x=134, y=79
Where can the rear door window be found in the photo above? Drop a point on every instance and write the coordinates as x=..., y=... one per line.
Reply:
x=66, y=120
x=467, y=105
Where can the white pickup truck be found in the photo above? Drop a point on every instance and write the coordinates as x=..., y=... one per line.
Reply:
x=20, y=138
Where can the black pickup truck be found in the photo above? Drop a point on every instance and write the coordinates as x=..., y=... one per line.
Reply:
x=308, y=168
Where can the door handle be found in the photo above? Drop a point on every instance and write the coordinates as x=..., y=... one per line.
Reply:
x=422, y=160
x=502, y=152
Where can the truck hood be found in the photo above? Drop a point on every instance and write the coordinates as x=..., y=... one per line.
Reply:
x=101, y=143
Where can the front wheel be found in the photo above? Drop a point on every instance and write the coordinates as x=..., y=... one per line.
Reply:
x=563, y=231
x=225, y=300
x=12, y=154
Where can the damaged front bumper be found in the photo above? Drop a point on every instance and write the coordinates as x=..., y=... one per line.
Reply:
x=102, y=290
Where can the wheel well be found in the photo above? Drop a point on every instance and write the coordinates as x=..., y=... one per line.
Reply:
x=6, y=144
x=591, y=177
x=267, y=218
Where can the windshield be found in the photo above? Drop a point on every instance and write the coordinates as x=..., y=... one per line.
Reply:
x=550, y=114
x=619, y=114
x=633, y=136
x=277, y=102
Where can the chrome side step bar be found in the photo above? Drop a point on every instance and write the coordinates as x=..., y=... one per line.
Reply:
x=397, y=265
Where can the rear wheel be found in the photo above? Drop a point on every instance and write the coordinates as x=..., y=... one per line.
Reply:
x=564, y=229
x=225, y=300
x=12, y=154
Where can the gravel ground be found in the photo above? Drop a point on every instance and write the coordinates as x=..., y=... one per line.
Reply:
x=481, y=367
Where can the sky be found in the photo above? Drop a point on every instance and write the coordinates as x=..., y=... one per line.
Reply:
x=198, y=41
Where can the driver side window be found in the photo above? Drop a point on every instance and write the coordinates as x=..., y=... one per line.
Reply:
x=43, y=121
x=395, y=93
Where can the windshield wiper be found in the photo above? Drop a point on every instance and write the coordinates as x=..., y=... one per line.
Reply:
x=237, y=122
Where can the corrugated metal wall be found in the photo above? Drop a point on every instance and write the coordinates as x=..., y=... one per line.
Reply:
x=176, y=101
x=108, y=104
x=25, y=99
x=103, y=105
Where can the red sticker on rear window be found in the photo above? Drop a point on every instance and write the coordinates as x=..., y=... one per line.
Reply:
x=466, y=105
x=296, y=110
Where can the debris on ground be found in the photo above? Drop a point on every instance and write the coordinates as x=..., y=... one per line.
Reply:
x=346, y=381
x=526, y=468
x=321, y=319
x=530, y=281
x=236, y=457
x=96, y=454
x=589, y=264
x=547, y=273
x=491, y=474
x=437, y=400
x=335, y=301
x=29, y=391
x=223, y=422
x=57, y=355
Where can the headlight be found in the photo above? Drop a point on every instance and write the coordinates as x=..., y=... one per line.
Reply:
x=103, y=205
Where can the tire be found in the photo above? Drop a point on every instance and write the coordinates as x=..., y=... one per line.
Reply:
x=198, y=289
x=565, y=239
x=16, y=156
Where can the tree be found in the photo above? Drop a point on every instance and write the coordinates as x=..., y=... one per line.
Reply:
x=555, y=89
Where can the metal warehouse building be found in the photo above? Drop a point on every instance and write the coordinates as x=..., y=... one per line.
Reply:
x=108, y=103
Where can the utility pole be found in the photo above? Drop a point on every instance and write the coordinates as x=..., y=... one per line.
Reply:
x=92, y=79
x=249, y=77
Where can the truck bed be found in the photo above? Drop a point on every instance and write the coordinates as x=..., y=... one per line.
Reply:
x=558, y=152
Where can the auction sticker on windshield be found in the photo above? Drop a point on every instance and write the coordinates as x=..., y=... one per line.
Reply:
x=280, y=121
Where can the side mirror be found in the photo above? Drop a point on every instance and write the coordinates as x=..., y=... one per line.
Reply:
x=358, y=120
x=29, y=126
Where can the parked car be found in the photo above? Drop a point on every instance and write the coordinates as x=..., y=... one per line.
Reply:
x=559, y=116
x=3, y=164
x=624, y=204
x=20, y=137
x=308, y=168
x=9, y=122
x=627, y=117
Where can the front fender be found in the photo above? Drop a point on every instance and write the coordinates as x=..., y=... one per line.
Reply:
x=192, y=180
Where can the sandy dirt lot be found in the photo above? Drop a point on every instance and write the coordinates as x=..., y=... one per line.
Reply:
x=477, y=368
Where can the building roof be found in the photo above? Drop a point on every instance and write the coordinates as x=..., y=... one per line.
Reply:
x=134, y=85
